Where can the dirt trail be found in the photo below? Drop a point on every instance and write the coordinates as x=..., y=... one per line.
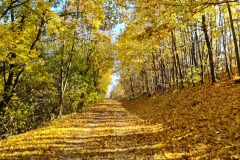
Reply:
x=106, y=131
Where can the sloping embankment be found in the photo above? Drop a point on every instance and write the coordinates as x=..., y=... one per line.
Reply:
x=202, y=121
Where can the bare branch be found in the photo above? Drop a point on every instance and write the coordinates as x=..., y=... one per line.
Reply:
x=11, y=7
x=70, y=13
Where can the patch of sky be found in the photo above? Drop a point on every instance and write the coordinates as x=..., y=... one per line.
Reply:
x=117, y=30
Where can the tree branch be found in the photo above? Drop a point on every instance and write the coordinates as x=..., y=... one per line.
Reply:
x=17, y=78
x=70, y=13
x=175, y=5
x=39, y=33
x=11, y=7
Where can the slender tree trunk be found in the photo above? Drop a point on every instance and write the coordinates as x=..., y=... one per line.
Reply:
x=175, y=69
x=177, y=60
x=64, y=82
x=210, y=54
x=156, y=81
x=147, y=83
x=230, y=62
x=193, y=57
x=200, y=56
x=225, y=51
x=193, y=51
x=234, y=38
x=131, y=86
x=170, y=71
x=180, y=70
x=61, y=84
x=7, y=94
x=163, y=74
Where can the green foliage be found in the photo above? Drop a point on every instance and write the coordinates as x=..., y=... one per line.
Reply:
x=54, y=60
x=192, y=75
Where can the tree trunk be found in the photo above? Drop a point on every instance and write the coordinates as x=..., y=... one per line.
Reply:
x=11, y=83
x=174, y=67
x=61, y=84
x=200, y=56
x=156, y=81
x=147, y=83
x=193, y=50
x=234, y=38
x=177, y=60
x=131, y=86
x=64, y=82
x=163, y=74
x=225, y=52
x=210, y=54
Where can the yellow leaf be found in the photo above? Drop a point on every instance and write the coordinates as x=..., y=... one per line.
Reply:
x=96, y=23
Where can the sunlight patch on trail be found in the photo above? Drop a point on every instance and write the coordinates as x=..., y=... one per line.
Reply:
x=103, y=131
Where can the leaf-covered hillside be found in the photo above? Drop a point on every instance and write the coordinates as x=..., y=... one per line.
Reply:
x=202, y=122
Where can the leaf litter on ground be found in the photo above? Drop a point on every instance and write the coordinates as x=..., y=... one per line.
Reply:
x=200, y=122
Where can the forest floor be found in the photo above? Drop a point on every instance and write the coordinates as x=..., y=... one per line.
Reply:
x=105, y=131
x=200, y=122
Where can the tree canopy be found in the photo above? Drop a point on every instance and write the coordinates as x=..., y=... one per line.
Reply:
x=173, y=44
x=56, y=57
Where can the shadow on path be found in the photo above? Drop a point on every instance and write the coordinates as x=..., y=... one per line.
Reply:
x=106, y=131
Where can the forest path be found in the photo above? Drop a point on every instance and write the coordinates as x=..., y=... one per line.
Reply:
x=105, y=131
